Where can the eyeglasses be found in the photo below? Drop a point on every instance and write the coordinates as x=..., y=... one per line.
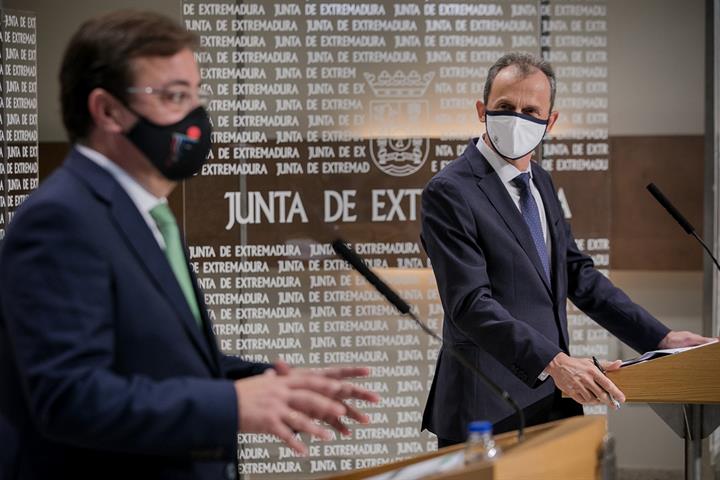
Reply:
x=175, y=96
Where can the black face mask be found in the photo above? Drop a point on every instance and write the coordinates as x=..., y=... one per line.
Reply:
x=178, y=150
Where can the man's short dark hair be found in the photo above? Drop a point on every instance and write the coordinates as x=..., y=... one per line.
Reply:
x=99, y=56
x=526, y=64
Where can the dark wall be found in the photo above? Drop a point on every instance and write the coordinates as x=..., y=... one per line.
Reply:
x=643, y=235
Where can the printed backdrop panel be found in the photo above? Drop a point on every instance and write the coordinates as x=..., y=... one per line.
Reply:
x=18, y=111
x=329, y=118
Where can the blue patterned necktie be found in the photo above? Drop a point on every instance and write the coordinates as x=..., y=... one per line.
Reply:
x=531, y=214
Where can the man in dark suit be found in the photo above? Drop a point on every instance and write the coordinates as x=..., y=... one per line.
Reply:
x=108, y=364
x=506, y=262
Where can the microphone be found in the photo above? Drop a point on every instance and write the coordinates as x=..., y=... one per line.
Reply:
x=359, y=265
x=662, y=200
x=679, y=218
x=353, y=259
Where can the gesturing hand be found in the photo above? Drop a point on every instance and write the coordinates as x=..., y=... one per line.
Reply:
x=581, y=380
x=349, y=391
x=284, y=404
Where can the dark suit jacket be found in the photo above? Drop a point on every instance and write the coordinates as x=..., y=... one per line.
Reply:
x=104, y=372
x=500, y=310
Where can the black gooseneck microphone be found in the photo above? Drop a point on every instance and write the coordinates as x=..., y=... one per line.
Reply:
x=679, y=218
x=357, y=263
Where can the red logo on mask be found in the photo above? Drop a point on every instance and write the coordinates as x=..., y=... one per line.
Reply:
x=193, y=133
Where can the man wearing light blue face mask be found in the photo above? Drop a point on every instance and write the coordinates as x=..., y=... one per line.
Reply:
x=506, y=262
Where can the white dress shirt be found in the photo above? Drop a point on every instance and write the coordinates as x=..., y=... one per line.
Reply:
x=507, y=173
x=143, y=200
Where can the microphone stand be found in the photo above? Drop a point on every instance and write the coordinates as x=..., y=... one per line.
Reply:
x=694, y=424
x=465, y=363
x=404, y=308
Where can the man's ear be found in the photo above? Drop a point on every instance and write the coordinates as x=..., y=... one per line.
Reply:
x=107, y=112
x=480, y=107
x=552, y=119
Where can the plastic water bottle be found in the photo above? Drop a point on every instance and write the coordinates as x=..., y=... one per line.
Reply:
x=480, y=443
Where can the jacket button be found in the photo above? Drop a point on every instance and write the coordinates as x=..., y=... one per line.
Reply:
x=230, y=472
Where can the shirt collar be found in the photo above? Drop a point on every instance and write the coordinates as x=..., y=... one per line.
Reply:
x=505, y=170
x=143, y=200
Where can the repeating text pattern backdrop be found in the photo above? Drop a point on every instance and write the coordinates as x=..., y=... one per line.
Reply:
x=329, y=119
x=18, y=111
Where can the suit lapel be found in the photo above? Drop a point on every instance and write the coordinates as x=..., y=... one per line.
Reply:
x=497, y=194
x=138, y=236
x=553, y=217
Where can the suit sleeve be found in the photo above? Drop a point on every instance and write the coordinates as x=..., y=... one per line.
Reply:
x=449, y=231
x=58, y=307
x=236, y=368
x=598, y=298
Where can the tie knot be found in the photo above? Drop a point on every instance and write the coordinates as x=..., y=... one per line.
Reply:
x=162, y=215
x=522, y=181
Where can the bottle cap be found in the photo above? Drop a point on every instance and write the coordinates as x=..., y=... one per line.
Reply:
x=480, y=427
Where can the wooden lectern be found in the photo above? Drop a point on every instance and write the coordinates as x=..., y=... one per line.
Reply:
x=691, y=381
x=569, y=448
x=692, y=376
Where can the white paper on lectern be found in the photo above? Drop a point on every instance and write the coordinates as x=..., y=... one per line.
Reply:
x=652, y=354
x=428, y=467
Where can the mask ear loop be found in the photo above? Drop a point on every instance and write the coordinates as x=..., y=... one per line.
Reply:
x=487, y=132
x=127, y=106
x=542, y=139
x=136, y=113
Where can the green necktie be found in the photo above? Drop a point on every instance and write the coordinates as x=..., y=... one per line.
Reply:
x=175, y=254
